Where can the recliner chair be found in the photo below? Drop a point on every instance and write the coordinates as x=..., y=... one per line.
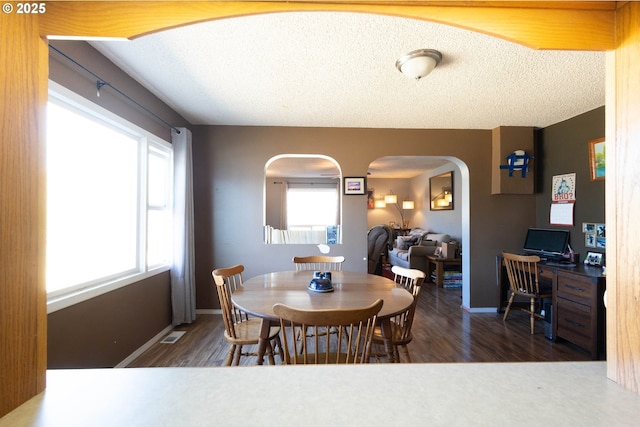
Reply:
x=379, y=239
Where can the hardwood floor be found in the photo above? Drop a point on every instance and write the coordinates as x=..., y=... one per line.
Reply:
x=442, y=333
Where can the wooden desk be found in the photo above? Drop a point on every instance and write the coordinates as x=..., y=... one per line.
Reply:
x=578, y=313
x=351, y=290
x=439, y=265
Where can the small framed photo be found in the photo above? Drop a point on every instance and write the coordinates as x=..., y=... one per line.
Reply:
x=601, y=230
x=355, y=185
x=588, y=227
x=594, y=258
x=597, y=159
x=590, y=240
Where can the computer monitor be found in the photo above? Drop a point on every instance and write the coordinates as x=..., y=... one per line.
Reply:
x=546, y=243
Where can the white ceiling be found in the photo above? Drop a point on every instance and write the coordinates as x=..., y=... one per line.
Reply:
x=337, y=69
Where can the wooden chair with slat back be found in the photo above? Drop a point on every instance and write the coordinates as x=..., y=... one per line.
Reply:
x=239, y=329
x=350, y=345
x=318, y=263
x=523, y=274
x=411, y=280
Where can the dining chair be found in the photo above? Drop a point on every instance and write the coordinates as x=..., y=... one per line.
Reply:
x=350, y=345
x=411, y=280
x=523, y=274
x=239, y=329
x=318, y=263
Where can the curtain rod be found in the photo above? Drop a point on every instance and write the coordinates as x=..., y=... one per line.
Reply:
x=100, y=82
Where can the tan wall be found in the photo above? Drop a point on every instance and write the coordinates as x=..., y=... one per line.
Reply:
x=229, y=175
x=105, y=330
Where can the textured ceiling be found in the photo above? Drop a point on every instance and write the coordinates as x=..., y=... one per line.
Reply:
x=338, y=70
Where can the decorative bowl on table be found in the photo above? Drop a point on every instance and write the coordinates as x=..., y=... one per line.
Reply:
x=321, y=282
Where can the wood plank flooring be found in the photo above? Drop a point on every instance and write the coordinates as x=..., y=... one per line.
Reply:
x=442, y=333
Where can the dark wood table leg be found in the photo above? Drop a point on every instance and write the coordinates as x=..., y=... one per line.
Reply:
x=264, y=340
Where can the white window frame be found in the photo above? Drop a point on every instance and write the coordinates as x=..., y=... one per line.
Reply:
x=66, y=297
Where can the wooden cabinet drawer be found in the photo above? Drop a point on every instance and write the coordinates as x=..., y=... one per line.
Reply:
x=575, y=322
x=576, y=288
x=546, y=273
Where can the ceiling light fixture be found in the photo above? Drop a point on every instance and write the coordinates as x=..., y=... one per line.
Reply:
x=419, y=63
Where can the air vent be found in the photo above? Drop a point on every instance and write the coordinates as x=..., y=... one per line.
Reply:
x=172, y=337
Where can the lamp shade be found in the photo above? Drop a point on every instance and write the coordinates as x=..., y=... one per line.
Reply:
x=380, y=203
x=391, y=199
x=419, y=63
x=408, y=204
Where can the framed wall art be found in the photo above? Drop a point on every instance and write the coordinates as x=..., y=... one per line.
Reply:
x=597, y=159
x=355, y=185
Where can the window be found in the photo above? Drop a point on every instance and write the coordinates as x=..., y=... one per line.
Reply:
x=312, y=206
x=109, y=204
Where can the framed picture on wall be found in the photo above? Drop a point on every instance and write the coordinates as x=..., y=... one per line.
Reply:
x=597, y=159
x=590, y=240
x=355, y=185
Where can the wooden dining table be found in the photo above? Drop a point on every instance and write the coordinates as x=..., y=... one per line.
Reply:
x=350, y=290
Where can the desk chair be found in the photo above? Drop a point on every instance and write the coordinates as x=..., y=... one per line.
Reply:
x=522, y=271
x=411, y=280
x=318, y=263
x=239, y=329
x=350, y=345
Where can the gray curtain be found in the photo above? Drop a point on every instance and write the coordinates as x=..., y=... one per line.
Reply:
x=183, y=284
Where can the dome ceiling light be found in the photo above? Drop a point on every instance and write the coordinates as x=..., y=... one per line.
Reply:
x=418, y=63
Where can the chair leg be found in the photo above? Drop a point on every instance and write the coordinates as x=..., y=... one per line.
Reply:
x=406, y=353
x=508, y=309
x=272, y=360
x=279, y=345
x=230, y=354
x=532, y=308
x=236, y=360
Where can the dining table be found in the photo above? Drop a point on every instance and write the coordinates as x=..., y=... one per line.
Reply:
x=350, y=290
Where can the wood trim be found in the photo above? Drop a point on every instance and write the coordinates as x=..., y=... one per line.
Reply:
x=23, y=326
x=583, y=25
x=579, y=26
x=623, y=203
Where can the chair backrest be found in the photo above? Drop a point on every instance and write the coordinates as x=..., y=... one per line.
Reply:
x=410, y=279
x=349, y=342
x=227, y=280
x=318, y=263
x=522, y=271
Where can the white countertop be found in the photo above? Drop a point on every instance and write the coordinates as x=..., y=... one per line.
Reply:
x=565, y=393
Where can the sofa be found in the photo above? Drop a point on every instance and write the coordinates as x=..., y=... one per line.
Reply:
x=411, y=250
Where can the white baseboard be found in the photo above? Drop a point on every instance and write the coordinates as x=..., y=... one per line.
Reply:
x=209, y=311
x=146, y=346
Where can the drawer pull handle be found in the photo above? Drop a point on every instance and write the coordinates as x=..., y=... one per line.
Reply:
x=571, y=322
x=575, y=288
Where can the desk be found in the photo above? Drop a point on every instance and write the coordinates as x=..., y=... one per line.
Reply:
x=439, y=264
x=578, y=313
x=258, y=295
